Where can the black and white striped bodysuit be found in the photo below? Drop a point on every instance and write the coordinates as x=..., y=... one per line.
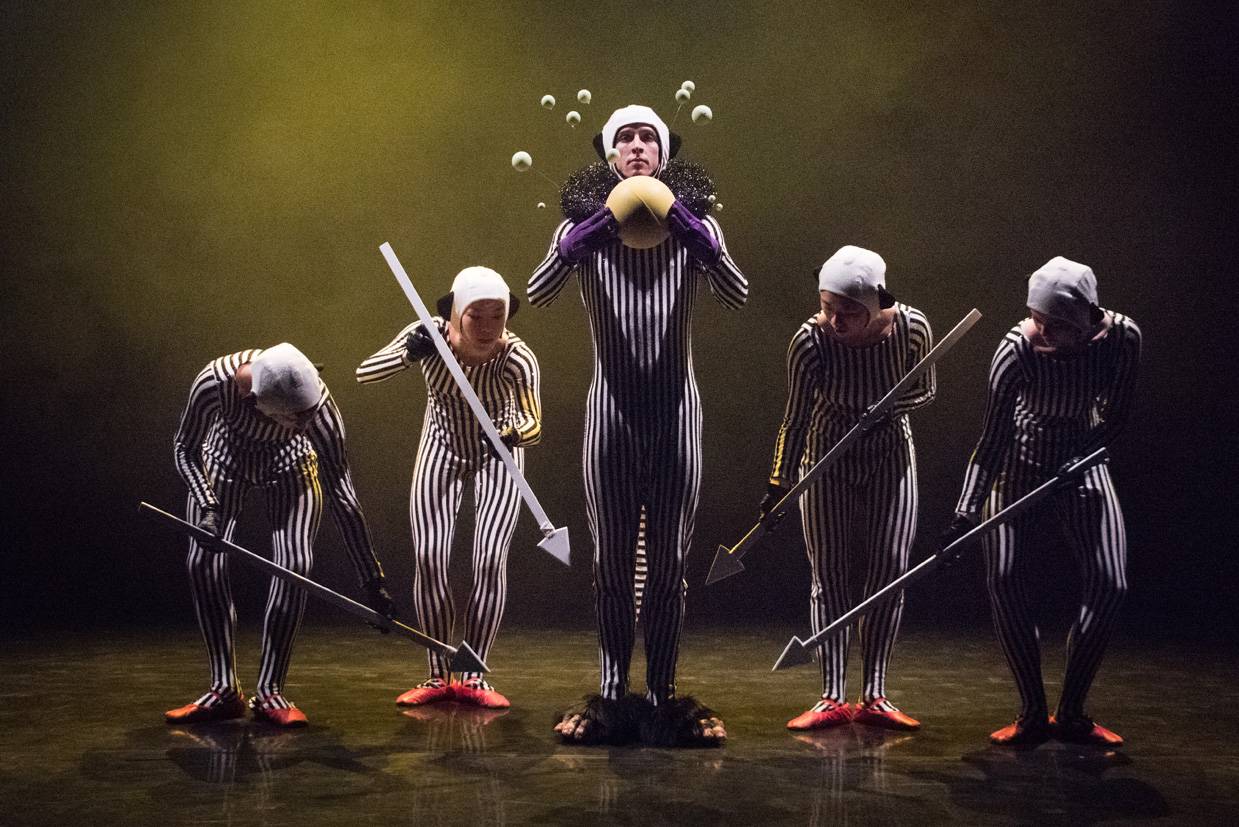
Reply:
x=871, y=488
x=452, y=450
x=642, y=449
x=1043, y=409
x=223, y=448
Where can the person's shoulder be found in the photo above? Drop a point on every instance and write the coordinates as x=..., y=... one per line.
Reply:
x=914, y=316
x=1125, y=326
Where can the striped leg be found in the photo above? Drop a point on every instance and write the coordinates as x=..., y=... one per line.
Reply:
x=211, y=588
x=295, y=509
x=1004, y=550
x=498, y=506
x=613, y=507
x=1096, y=534
x=670, y=512
x=891, y=496
x=434, y=500
x=826, y=513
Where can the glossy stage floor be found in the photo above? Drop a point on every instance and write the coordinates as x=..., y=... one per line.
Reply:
x=82, y=739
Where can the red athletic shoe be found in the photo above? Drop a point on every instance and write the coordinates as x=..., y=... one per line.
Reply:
x=1022, y=732
x=872, y=714
x=824, y=714
x=479, y=693
x=288, y=717
x=1084, y=730
x=429, y=692
x=217, y=708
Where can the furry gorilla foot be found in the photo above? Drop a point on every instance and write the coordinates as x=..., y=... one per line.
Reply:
x=682, y=722
x=602, y=721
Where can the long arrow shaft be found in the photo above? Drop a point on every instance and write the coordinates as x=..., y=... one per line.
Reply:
x=317, y=589
x=767, y=522
x=488, y=427
x=933, y=561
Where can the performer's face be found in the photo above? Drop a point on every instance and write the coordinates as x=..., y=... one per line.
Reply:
x=638, y=149
x=482, y=322
x=1056, y=332
x=848, y=317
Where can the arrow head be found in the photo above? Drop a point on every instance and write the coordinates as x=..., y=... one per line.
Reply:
x=466, y=660
x=794, y=654
x=725, y=565
x=556, y=545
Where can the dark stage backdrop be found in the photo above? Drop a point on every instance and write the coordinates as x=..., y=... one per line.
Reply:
x=183, y=180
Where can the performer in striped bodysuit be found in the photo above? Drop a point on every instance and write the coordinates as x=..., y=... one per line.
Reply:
x=1060, y=386
x=453, y=450
x=263, y=418
x=841, y=361
x=642, y=450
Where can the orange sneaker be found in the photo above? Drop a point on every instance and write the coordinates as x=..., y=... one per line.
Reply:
x=1084, y=730
x=1022, y=732
x=479, y=693
x=824, y=714
x=429, y=692
x=874, y=714
x=214, y=707
x=285, y=717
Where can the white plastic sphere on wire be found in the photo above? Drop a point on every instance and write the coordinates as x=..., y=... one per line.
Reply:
x=689, y=85
x=682, y=95
x=542, y=205
x=712, y=199
x=548, y=101
x=584, y=96
x=573, y=118
x=612, y=155
x=718, y=206
x=702, y=114
x=522, y=161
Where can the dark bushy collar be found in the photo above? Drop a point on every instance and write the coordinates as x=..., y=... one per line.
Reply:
x=586, y=190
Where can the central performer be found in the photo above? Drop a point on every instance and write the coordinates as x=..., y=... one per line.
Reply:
x=639, y=236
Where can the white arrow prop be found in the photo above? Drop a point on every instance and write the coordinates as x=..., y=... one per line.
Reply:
x=798, y=652
x=555, y=540
x=727, y=560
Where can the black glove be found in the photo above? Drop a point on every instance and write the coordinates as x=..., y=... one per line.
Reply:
x=508, y=435
x=774, y=494
x=870, y=421
x=956, y=528
x=380, y=601
x=589, y=235
x=211, y=521
x=418, y=345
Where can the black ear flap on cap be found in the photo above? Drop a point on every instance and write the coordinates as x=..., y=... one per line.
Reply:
x=599, y=148
x=318, y=366
x=675, y=145
x=817, y=273
x=514, y=304
x=444, y=306
x=885, y=299
x=1095, y=314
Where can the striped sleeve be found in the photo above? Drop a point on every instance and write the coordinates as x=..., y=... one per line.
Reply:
x=200, y=411
x=526, y=382
x=803, y=365
x=326, y=432
x=920, y=342
x=726, y=281
x=997, y=429
x=1115, y=402
x=388, y=361
x=552, y=274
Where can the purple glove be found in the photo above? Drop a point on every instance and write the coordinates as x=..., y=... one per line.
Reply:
x=691, y=231
x=588, y=236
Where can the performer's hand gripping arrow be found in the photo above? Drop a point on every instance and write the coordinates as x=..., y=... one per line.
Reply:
x=798, y=652
x=727, y=560
x=460, y=658
x=555, y=540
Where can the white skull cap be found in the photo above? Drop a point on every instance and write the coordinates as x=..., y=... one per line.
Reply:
x=636, y=113
x=1066, y=290
x=478, y=284
x=284, y=380
x=857, y=273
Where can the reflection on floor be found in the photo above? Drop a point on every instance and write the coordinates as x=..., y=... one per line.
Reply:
x=82, y=739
